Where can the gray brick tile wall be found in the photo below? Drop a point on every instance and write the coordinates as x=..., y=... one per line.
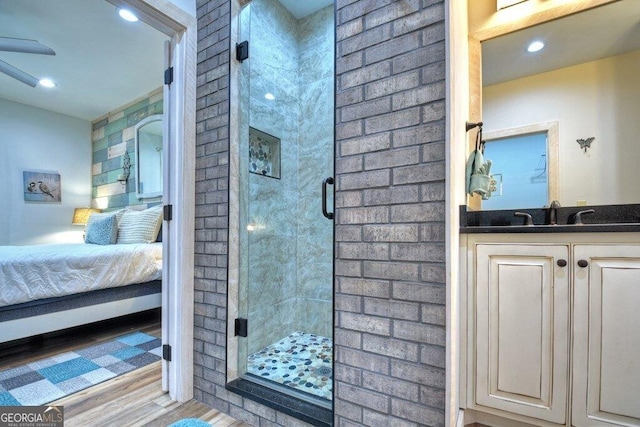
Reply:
x=212, y=151
x=391, y=247
x=389, y=331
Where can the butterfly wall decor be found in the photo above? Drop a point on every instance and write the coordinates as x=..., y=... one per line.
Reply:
x=585, y=143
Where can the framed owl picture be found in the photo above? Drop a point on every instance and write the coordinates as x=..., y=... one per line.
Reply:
x=41, y=187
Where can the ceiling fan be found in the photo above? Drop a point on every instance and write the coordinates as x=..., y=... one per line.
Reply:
x=8, y=44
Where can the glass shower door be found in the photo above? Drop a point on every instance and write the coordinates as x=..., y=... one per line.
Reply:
x=286, y=156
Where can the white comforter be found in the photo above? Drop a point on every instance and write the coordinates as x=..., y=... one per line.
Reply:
x=29, y=273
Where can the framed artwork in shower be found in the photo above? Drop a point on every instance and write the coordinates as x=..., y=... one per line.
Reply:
x=41, y=187
x=264, y=154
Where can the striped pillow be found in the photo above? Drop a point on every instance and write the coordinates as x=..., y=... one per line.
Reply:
x=140, y=226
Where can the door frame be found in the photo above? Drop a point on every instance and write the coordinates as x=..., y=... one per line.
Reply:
x=179, y=190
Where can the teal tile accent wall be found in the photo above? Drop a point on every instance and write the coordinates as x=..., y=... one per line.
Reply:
x=113, y=135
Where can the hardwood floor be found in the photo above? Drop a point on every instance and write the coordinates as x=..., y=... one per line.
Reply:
x=135, y=399
x=132, y=399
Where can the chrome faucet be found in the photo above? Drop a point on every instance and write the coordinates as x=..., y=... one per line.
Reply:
x=553, y=214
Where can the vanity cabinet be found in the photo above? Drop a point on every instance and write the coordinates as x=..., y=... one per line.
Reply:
x=522, y=324
x=606, y=341
x=554, y=332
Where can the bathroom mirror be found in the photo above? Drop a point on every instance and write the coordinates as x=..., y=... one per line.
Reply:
x=585, y=79
x=148, y=147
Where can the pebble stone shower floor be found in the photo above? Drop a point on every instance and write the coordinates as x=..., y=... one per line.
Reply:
x=301, y=361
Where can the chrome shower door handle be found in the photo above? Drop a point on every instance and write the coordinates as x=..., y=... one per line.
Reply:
x=325, y=182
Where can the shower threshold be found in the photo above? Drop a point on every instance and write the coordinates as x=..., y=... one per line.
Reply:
x=300, y=361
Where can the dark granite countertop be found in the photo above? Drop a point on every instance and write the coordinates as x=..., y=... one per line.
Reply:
x=604, y=219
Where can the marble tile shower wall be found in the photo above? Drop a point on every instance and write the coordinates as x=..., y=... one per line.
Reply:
x=281, y=299
x=113, y=135
x=271, y=260
x=315, y=163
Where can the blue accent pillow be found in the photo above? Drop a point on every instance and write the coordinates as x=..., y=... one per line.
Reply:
x=103, y=231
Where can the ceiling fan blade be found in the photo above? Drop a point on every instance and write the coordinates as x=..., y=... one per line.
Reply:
x=9, y=44
x=17, y=74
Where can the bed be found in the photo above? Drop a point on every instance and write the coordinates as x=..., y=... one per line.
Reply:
x=45, y=288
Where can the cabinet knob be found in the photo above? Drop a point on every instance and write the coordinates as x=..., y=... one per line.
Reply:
x=583, y=263
x=562, y=263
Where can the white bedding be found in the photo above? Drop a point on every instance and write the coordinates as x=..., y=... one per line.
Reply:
x=30, y=273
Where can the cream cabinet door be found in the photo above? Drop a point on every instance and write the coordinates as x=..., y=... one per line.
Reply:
x=606, y=343
x=522, y=324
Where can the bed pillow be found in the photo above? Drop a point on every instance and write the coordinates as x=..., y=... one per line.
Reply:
x=98, y=216
x=140, y=226
x=103, y=231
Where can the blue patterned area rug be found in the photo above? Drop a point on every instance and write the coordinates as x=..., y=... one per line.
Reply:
x=50, y=379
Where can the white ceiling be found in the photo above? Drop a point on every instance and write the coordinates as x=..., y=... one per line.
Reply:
x=101, y=62
x=302, y=8
x=598, y=33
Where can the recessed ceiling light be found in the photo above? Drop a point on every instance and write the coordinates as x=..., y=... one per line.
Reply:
x=535, y=46
x=127, y=15
x=269, y=96
x=47, y=83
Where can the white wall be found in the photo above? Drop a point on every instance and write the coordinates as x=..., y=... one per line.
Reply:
x=598, y=99
x=32, y=139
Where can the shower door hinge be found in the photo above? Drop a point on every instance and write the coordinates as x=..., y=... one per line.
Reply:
x=241, y=327
x=242, y=50
x=168, y=76
x=166, y=352
x=167, y=212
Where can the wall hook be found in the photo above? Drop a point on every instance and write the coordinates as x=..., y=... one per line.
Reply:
x=470, y=125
